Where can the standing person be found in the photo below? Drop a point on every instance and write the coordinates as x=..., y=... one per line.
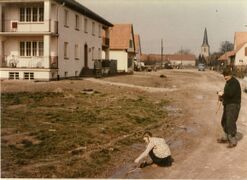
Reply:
x=231, y=98
x=158, y=151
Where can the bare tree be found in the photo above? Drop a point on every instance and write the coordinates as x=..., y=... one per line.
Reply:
x=226, y=46
x=184, y=51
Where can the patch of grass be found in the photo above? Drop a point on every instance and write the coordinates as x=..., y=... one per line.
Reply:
x=128, y=141
x=62, y=124
x=101, y=157
x=27, y=97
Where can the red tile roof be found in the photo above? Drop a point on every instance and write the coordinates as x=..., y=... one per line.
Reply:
x=240, y=38
x=225, y=56
x=228, y=54
x=120, y=34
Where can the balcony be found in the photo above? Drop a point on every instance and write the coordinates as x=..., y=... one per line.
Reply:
x=15, y=27
x=105, y=42
x=39, y=62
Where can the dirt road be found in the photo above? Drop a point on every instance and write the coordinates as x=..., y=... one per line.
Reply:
x=186, y=98
x=196, y=153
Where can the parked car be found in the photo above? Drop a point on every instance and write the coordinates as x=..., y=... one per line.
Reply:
x=168, y=66
x=201, y=67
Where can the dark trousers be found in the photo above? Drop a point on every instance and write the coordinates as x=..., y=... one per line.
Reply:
x=167, y=161
x=229, y=118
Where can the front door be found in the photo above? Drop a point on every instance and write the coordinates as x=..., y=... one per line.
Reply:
x=85, y=56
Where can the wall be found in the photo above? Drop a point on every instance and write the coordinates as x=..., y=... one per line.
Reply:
x=185, y=63
x=72, y=36
x=122, y=59
x=240, y=56
x=38, y=74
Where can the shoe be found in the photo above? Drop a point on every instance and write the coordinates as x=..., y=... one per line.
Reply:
x=143, y=165
x=222, y=140
x=231, y=145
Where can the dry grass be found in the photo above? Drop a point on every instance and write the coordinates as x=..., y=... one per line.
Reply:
x=70, y=134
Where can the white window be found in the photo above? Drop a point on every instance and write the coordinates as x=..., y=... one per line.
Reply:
x=92, y=53
x=31, y=14
x=28, y=48
x=35, y=14
x=13, y=75
x=85, y=25
x=41, y=48
x=22, y=14
x=76, y=52
x=66, y=18
x=28, y=14
x=99, y=53
x=31, y=48
x=22, y=48
x=34, y=48
x=77, y=25
x=93, y=28
x=28, y=75
x=66, y=50
x=41, y=14
x=130, y=43
x=99, y=33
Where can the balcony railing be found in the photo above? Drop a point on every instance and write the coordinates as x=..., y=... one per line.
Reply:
x=39, y=62
x=17, y=26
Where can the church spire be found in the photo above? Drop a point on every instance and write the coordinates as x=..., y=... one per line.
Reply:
x=205, y=38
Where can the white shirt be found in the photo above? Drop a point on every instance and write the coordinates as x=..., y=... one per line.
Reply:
x=159, y=146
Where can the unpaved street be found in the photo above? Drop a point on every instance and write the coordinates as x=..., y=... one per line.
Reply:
x=181, y=107
x=196, y=153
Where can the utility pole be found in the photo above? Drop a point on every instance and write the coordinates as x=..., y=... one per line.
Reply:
x=162, y=48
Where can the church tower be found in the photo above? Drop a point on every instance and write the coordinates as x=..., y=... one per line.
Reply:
x=205, y=49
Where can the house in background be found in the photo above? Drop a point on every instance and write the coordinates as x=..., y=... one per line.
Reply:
x=138, y=65
x=122, y=46
x=174, y=59
x=237, y=57
x=227, y=58
x=138, y=49
x=240, y=48
x=48, y=39
x=181, y=59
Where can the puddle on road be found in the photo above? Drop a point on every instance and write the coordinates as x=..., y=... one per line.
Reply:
x=176, y=144
x=124, y=170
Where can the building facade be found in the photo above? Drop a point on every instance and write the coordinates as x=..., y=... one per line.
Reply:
x=238, y=56
x=122, y=46
x=49, y=39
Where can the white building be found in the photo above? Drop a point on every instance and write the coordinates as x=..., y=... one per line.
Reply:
x=47, y=39
x=122, y=46
x=237, y=57
x=240, y=48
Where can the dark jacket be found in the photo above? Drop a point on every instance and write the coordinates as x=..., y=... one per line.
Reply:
x=232, y=92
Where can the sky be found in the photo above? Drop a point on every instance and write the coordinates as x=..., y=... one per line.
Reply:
x=180, y=23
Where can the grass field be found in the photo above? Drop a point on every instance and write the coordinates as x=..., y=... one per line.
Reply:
x=71, y=134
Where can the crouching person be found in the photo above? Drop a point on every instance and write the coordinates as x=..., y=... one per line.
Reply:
x=158, y=151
